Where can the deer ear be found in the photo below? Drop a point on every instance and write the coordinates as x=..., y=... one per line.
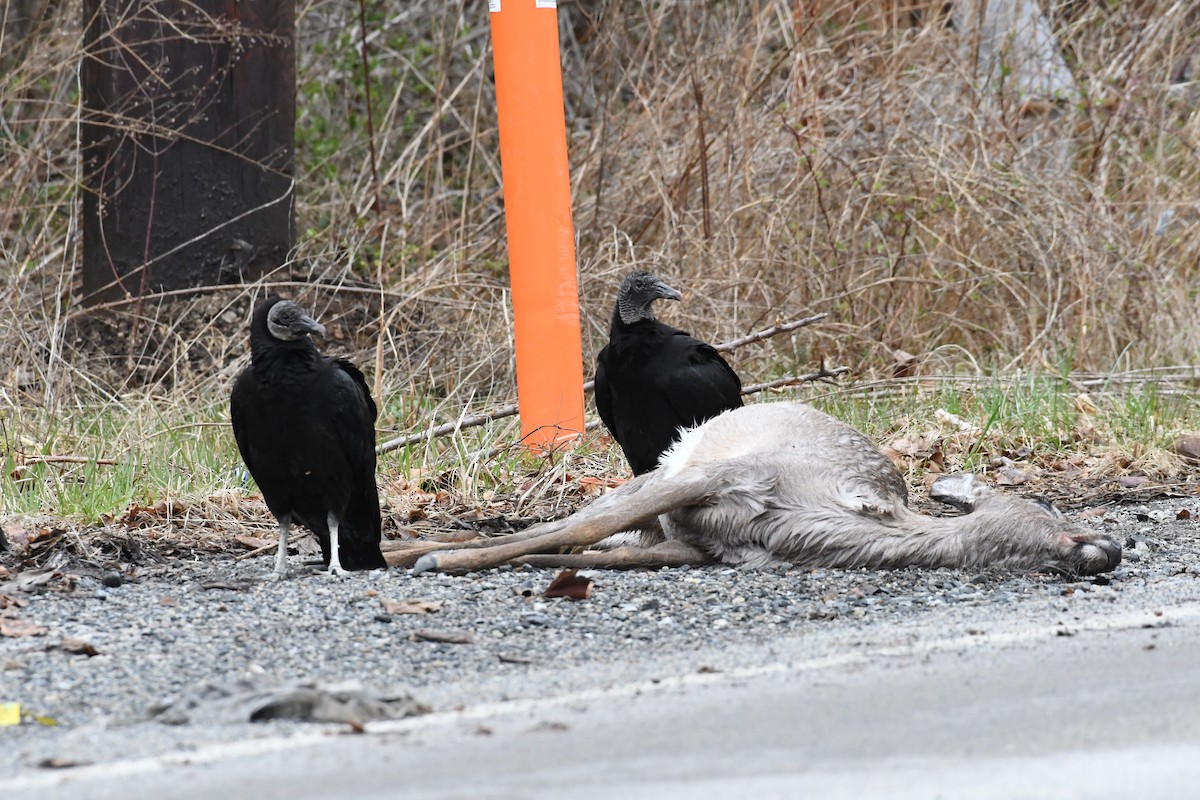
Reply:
x=1069, y=541
x=961, y=490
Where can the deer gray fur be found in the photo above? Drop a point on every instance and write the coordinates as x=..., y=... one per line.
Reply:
x=784, y=483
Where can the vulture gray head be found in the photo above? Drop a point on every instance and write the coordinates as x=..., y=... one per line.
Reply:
x=288, y=322
x=637, y=292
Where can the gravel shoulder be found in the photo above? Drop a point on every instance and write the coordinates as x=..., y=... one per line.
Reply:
x=174, y=627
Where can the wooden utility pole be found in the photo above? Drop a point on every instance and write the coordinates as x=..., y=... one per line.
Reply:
x=188, y=122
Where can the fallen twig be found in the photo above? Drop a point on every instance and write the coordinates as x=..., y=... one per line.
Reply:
x=758, y=336
x=793, y=380
x=774, y=330
x=472, y=421
x=27, y=460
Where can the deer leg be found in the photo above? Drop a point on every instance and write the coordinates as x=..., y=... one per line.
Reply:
x=665, y=554
x=405, y=554
x=633, y=505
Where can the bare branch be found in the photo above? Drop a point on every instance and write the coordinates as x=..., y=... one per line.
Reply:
x=476, y=420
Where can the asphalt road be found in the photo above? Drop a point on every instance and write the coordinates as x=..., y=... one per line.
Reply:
x=1108, y=709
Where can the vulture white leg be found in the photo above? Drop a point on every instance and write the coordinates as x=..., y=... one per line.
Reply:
x=633, y=505
x=335, y=562
x=285, y=525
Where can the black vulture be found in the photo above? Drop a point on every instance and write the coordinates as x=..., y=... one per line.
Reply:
x=653, y=380
x=783, y=483
x=305, y=426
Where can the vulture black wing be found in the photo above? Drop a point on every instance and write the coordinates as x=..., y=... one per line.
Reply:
x=353, y=415
x=602, y=391
x=700, y=383
x=651, y=381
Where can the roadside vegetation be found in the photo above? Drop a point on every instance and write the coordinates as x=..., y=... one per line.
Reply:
x=1012, y=286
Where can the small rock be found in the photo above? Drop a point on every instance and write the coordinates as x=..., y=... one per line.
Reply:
x=112, y=579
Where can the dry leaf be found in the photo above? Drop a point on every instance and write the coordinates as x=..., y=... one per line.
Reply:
x=12, y=602
x=569, y=584
x=253, y=542
x=1132, y=481
x=514, y=658
x=78, y=647
x=1084, y=404
x=1011, y=476
x=445, y=637
x=956, y=422
x=60, y=762
x=21, y=627
x=909, y=447
x=904, y=364
x=410, y=606
x=1188, y=446
x=139, y=516
x=25, y=581
x=591, y=484
x=937, y=457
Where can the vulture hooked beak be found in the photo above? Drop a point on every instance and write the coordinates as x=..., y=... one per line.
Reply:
x=310, y=325
x=289, y=322
x=666, y=292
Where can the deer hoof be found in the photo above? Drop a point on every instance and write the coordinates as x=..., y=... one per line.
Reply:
x=426, y=563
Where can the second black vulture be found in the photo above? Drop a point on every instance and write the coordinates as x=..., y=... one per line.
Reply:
x=305, y=426
x=653, y=380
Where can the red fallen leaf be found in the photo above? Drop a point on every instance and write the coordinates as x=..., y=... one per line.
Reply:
x=78, y=647
x=569, y=584
x=14, y=628
x=410, y=606
x=1183, y=513
x=139, y=515
x=606, y=483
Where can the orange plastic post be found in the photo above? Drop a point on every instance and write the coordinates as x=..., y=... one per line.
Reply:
x=537, y=212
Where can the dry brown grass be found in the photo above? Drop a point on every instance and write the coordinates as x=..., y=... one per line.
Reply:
x=774, y=158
